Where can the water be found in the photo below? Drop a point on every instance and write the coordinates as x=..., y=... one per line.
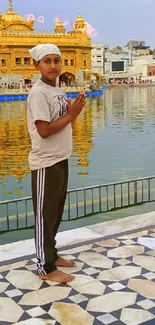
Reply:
x=114, y=139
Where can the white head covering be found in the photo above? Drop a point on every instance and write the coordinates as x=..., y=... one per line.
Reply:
x=41, y=50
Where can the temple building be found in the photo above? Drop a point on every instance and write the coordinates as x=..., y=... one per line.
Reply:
x=17, y=36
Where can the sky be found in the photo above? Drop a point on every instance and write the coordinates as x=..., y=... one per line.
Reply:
x=116, y=21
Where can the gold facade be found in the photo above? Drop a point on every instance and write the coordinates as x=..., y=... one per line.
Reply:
x=17, y=36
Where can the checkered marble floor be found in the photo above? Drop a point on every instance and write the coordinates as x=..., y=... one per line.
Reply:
x=114, y=284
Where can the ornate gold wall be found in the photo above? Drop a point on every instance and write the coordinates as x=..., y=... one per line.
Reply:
x=17, y=35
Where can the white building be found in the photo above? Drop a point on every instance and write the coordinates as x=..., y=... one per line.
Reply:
x=139, y=68
x=97, y=58
x=117, y=65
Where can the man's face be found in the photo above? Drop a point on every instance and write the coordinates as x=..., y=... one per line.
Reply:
x=50, y=66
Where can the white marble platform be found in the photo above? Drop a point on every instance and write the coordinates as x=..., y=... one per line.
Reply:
x=114, y=278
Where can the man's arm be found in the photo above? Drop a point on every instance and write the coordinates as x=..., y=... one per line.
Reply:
x=45, y=129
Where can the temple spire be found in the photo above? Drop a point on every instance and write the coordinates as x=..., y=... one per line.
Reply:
x=10, y=6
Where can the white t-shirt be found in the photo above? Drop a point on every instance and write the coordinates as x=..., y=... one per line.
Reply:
x=47, y=103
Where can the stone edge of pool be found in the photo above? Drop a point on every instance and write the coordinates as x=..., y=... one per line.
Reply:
x=82, y=235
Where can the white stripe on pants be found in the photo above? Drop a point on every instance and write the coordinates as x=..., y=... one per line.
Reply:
x=40, y=221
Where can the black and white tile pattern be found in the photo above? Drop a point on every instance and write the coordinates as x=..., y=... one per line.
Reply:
x=114, y=285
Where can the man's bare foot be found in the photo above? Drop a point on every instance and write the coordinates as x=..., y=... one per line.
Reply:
x=57, y=276
x=65, y=263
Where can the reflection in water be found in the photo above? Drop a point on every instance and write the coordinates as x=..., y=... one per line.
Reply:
x=14, y=141
x=113, y=139
x=83, y=131
x=130, y=106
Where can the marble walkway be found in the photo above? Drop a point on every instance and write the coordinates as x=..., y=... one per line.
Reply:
x=114, y=278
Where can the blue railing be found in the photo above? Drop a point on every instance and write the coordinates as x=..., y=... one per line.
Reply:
x=70, y=94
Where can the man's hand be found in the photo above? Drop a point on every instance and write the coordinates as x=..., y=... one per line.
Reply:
x=46, y=129
x=75, y=108
x=69, y=101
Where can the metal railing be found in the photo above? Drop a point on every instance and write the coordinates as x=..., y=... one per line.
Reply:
x=81, y=202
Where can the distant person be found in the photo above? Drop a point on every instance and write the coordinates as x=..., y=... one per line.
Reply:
x=50, y=118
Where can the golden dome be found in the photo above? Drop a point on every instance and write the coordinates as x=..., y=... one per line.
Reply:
x=80, y=19
x=59, y=24
x=80, y=23
x=59, y=27
x=12, y=18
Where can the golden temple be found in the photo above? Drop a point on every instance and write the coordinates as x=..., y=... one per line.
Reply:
x=17, y=36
